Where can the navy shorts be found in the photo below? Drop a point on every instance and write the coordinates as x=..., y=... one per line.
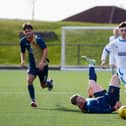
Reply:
x=42, y=74
x=112, y=95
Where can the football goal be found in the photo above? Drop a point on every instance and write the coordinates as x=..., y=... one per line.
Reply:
x=79, y=41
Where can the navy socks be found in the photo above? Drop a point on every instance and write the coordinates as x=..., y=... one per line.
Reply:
x=31, y=92
x=92, y=74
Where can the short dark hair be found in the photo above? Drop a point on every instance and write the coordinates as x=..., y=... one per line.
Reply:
x=27, y=26
x=122, y=24
x=73, y=99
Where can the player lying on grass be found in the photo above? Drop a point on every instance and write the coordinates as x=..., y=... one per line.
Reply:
x=102, y=101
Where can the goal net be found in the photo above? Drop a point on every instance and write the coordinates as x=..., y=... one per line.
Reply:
x=79, y=41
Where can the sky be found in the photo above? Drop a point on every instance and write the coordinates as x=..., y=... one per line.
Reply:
x=50, y=10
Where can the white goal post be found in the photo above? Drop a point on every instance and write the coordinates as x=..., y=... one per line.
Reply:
x=78, y=36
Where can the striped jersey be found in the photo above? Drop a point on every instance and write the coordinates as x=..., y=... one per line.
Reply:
x=118, y=47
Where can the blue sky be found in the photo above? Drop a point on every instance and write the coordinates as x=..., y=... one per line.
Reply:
x=50, y=10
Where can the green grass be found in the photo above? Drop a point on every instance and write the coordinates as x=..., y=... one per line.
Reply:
x=9, y=33
x=54, y=107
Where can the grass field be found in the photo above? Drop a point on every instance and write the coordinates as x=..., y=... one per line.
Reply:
x=54, y=107
x=7, y=39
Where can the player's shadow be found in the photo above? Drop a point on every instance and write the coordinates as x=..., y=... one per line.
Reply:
x=60, y=109
x=64, y=109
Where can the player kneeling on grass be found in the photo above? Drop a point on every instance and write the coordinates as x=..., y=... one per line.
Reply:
x=102, y=101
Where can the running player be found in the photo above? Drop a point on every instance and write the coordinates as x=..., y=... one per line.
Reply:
x=118, y=46
x=112, y=56
x=38, y=62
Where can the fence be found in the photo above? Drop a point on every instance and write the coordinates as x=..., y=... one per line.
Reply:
x=78, y=47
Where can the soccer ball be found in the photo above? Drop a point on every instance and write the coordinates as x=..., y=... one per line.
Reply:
x=122, y=112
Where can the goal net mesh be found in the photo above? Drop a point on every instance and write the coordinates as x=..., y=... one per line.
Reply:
x=80, y=41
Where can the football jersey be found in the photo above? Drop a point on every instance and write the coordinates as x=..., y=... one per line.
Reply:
x=97, y=105
x=35, y=50
x=111, y=38
x=118, y=47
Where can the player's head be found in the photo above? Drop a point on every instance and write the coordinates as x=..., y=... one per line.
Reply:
x=122, y=24
x=122, y=28
x=116, y=31
x=27, y=26
x=78, y=100
x=27, y=30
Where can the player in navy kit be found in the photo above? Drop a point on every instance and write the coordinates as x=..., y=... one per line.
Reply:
x=102, y=101
x=38, y=61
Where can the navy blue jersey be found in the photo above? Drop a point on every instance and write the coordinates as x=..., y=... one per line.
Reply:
x=103, y=104
x=97, y=105
x=34, y=49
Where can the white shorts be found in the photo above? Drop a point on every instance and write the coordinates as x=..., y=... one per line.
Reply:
x=122, y=75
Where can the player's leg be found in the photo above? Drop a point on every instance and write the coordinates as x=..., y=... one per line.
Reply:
x=122, y=76
x=94, y=88
x=44, y=81
x=114, y=90
x=97, y=90
x=31, y=90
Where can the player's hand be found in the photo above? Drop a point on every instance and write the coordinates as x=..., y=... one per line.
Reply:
x=103, y=64
x=117, y=105
x=23, y=64
x=41, y=65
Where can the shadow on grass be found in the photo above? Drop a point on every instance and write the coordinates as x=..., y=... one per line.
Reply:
x=59, y=109
x=64, y=109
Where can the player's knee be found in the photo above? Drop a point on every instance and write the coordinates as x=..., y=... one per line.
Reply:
x=30, y=81
x=115, y=80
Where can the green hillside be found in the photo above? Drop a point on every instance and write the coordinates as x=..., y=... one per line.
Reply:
x=9, y=34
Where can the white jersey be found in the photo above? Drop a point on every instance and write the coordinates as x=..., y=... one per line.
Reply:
x=118, y=46
x=111, y=38
x=112, y=55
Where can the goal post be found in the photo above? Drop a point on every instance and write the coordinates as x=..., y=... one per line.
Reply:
x=82, y=40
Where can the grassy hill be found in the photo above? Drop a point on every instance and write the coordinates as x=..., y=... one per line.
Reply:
x=9, y=33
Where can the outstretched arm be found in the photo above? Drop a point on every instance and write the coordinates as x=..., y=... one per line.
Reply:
x=103, y=57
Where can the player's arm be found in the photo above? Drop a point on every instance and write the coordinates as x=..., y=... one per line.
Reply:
x=106, y=51
x=44, y=52
x=104, y=57
x=117, y=105
x=43, y=58
x=22, y=54
x=22, y=59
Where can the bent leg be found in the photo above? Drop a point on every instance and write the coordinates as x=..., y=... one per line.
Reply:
x=94, y=87
x=43, y=77
x=115, y=81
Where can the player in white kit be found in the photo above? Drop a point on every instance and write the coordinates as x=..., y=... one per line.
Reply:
x=118, y=46
x=112, y=56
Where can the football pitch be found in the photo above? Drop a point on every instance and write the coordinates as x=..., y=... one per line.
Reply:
x=54, y=108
